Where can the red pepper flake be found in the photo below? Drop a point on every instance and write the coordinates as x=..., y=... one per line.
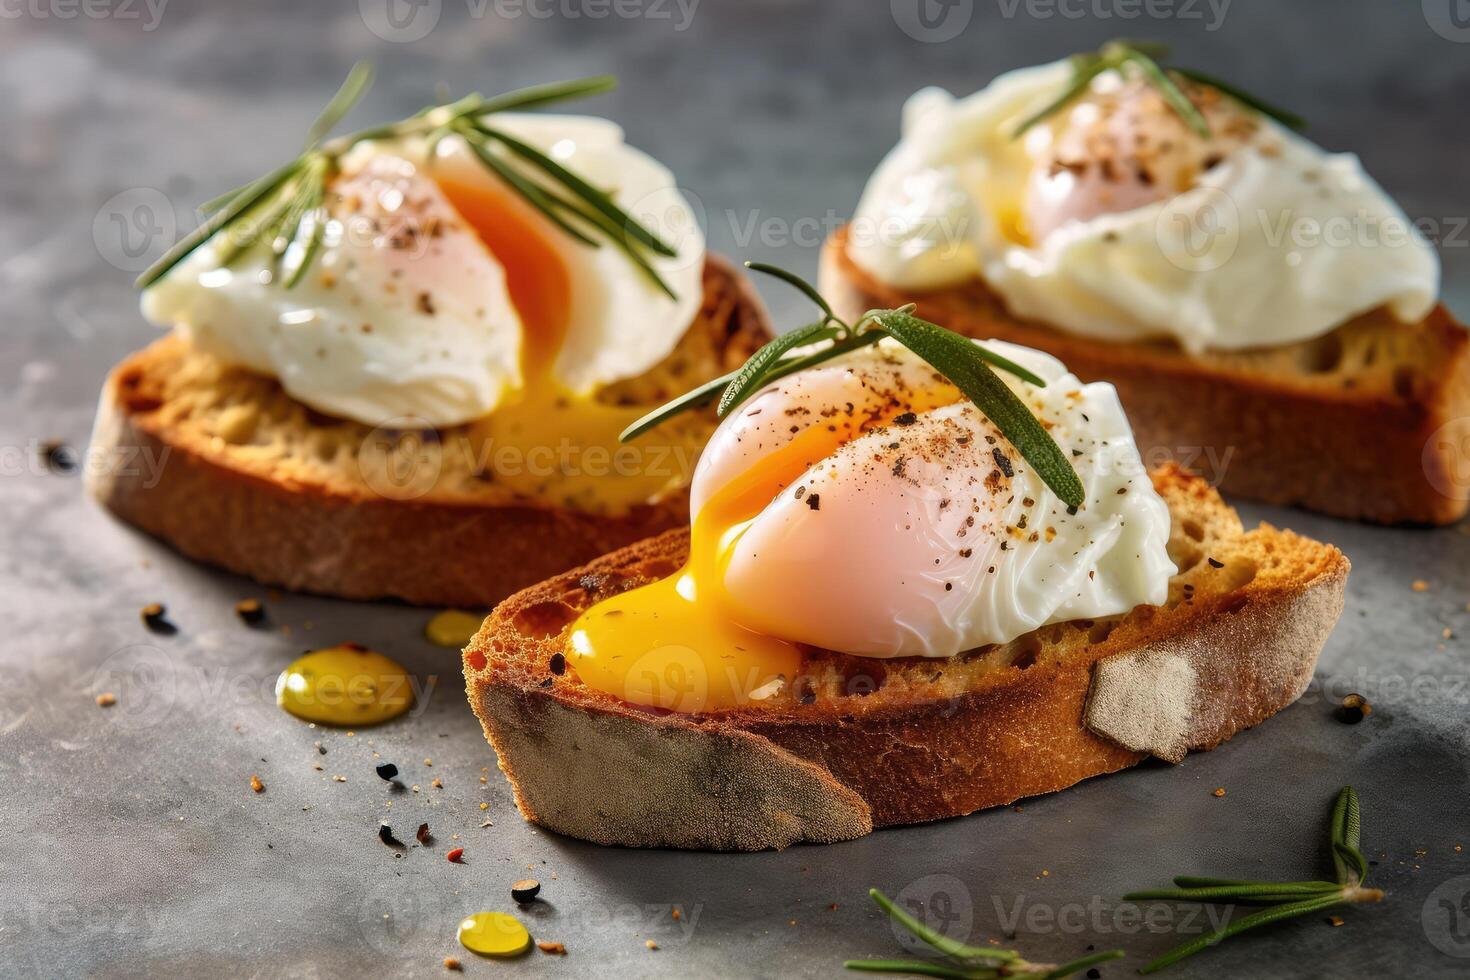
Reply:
x=422, y=835
x=455, y=855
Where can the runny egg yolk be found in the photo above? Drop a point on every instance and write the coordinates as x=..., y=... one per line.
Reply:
x=675, y=643
x=546, y=442
x=346, y=685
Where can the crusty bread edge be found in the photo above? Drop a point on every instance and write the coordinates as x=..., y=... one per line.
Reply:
x=604, y=771
x=1384, y=458
x=307, y=539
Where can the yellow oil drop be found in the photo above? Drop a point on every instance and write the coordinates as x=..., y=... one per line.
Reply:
x=453, y=628
x=493, y=934
x=345, y=685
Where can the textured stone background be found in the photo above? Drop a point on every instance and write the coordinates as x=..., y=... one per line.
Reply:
x=131, y=842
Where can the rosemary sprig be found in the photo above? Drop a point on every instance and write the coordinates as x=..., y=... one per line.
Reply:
x=1284, y=899
x=1146, y=58
x=966, y=364
x=286, y=207
x=964, y=962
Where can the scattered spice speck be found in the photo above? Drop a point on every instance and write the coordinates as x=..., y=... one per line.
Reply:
x=437, y=784
x=106, y=699
x=1419, y=585
x=450, y=963
x=650, y=944
x=552, y=949
x=422, y=835
x=455, y=856
x=250, y=611
x=387, y=770
x=256, y=784
x=1219, y=791
x=155, y=617
x=1334, y=920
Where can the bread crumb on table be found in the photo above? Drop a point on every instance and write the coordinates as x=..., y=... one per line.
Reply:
x=106, y=699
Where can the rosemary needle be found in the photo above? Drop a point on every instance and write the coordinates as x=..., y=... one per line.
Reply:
x=1284, y=900
x=286, y=209
x=966, y=364
x=964, y=962
x=1146, y=58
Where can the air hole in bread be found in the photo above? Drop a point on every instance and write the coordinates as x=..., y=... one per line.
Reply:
x=1320, y=356
x=862, y=679
x=1025, y=649
x=1193, y=529
x=1403, y=382
x=1101, y=631
x=544, y=619
x=1237, y=573
x=1185, y=555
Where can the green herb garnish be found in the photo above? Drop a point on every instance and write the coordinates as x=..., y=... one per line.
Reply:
x=286, y=207
x=965, y=364
x=1284, y=899
x=967, y=962
x=1145, y=58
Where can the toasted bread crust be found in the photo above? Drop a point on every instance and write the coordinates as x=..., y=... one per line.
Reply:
x=300, y=530
x=1369, y=422
x=589, y=765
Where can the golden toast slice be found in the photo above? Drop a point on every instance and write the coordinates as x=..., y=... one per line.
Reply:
x=858, y=743
x=243, y=476
x=1370, y=422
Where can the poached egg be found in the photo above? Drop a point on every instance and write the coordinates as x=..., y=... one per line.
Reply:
x=865, y=506
x=441, y=298
x=1113, y=219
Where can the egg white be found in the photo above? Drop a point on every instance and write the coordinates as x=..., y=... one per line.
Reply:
x=943, y=208
x=919, y=544
x=424, y=334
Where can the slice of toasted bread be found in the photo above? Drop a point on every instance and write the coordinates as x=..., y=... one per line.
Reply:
x=1371, y=421
x=858, y=743
x=229, y=469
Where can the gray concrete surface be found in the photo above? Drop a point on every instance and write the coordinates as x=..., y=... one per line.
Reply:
x=130, y=841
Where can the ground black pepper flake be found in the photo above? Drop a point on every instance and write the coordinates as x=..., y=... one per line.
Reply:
x=1354, y=708
x=1003, y=461
x=58, y=457
x=1215, y=563
x=814, y=501
x=155, y=618
x=525, y=890
x=388, y=770
x=250, y=611
x=385, y=834
x=558, y=664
